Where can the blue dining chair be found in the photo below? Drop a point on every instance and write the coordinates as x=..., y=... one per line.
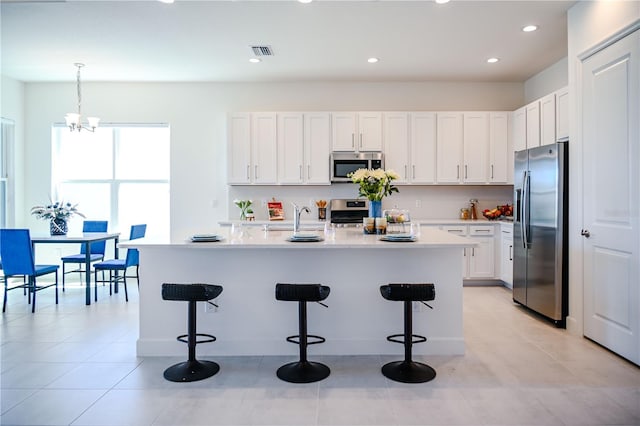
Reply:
x=17, y=261
x=114, y=266
x=96, y=252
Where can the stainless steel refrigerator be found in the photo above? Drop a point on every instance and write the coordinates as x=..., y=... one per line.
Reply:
x=540, y=262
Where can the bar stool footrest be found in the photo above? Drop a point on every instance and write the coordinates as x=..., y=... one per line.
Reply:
x=416, y=338
x=191, y=371
x=184, y=338
x=408, y=372
x=296, y=339
x=303, y=372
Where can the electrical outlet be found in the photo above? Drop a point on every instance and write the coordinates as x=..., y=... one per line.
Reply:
x=263, y=202
x=418, y=203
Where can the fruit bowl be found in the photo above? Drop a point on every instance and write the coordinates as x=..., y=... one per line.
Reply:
x=498, y=212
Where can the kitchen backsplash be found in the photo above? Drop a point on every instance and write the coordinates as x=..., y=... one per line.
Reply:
x=424, y=202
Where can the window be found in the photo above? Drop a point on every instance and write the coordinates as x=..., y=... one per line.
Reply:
x=120, y=173
x=7, y=128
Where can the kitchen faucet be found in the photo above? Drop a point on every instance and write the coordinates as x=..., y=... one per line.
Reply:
x=296, y=216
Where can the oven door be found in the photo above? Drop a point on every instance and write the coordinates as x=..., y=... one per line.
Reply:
x=341, y=168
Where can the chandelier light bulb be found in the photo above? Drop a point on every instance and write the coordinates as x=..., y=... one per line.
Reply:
x=74, y=119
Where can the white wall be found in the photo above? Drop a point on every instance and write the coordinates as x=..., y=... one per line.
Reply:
x=197, y=115
x=12, y=107
x=589, y=24
x=547, y=81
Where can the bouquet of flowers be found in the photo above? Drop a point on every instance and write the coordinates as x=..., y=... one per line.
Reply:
x=245, y=208
x=374, y=184
x=57, y=211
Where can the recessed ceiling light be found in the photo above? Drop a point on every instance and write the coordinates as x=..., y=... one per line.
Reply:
x=255, y=60
x=529, y=28
x=442, y=1
x=372, y=60
x=492, y=60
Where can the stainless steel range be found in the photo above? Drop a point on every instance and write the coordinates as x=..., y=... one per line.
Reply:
x=349, y=211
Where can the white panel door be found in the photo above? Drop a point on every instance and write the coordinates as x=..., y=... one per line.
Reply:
x=370, y=125
x=611, y=155
x=520, y=129
x=449, y=146
x=533, y=124
x=476, y=147
x=290, y=147
x=264, y=148
x=239, y=148
x=344, y=127
x=548, y=120
x=396, y=144
x=423, y=147
x=317, y=139
x=500, y=152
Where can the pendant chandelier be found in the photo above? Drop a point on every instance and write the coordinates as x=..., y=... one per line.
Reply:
x=74, y=120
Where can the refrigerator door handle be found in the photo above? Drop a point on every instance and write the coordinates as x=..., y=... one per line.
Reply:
x=524, y=208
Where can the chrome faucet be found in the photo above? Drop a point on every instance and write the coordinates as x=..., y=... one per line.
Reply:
x=296, y=216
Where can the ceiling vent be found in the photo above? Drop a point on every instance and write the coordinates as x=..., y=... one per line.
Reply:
x=262, y=50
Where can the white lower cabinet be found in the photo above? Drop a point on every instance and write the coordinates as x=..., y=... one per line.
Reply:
x=506, y=254
x=479, y=261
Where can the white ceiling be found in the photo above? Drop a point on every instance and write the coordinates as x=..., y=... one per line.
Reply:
x=325, y=40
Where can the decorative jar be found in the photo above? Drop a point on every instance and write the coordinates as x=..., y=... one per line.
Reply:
x=58, y=227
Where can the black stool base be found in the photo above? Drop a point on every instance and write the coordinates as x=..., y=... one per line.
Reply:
x=303, y=372
x=191, y=371
x=408, y=372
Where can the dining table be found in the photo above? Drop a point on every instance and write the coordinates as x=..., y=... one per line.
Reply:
x=86, y=239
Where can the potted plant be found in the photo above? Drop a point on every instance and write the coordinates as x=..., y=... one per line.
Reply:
x=245, y=209
x=58, y=213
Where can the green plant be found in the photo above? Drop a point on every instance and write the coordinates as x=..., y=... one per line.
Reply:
x=244, y=206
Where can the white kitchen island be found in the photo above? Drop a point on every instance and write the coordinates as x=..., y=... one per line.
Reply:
x=249, y=321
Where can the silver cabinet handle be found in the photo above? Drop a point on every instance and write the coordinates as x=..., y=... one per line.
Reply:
x=492, y=171
x=454, y=230
x=353, y=143
x=255, y=171
x=465, y=171
x=248, y=171
x=458, y=171
x=414, y=171
x=483, y=230
x=510, y=252
x=308, y=171
x=405, y=171
x=360, y=140
x=585, y=233
x=473, y=251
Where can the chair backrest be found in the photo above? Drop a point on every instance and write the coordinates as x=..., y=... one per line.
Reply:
x=95, y=226
x=133, y=257
x=16, y=252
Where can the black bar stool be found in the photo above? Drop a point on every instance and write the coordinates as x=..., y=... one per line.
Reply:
x=408, y=371
x=303, y=371
x=191, y=370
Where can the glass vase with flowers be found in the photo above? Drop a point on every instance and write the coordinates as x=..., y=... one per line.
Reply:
x=375, y=184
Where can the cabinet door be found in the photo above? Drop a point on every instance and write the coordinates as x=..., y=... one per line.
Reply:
x=562, y=113
x=533, y=124
x=264, y=148
x=343, y=125
x=396, y=144
x=506, y=258
x=290, y=148
x=481, y=261
x=449, y=146
x=423, y=147
x=520, y=129
x=317, y=139
x=239, y=148
x=548, y=120
x=370, y=137
x=476, y=147
x=500, y=152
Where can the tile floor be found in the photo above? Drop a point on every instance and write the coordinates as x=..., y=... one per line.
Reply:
x=76, y=365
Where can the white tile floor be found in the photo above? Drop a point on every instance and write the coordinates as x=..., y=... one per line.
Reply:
x=74, y=364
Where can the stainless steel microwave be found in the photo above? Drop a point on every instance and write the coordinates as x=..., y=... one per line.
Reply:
x=344, y=163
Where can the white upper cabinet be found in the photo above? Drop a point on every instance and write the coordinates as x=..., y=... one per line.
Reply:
x=423, y=148
x=520, y=129
x=317, y=147
x=562, y=113
x=239, y=148
x=357, y=131
x=476, y=147
x=396, y=148
x=548, y=120
x=500, y=152
x=264, y=145
x=449, y=146
x=290, y=147
x=533, y=124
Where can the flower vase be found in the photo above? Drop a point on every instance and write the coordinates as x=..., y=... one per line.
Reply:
x=243, y=215
x=375, y=208
x=58, y=227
